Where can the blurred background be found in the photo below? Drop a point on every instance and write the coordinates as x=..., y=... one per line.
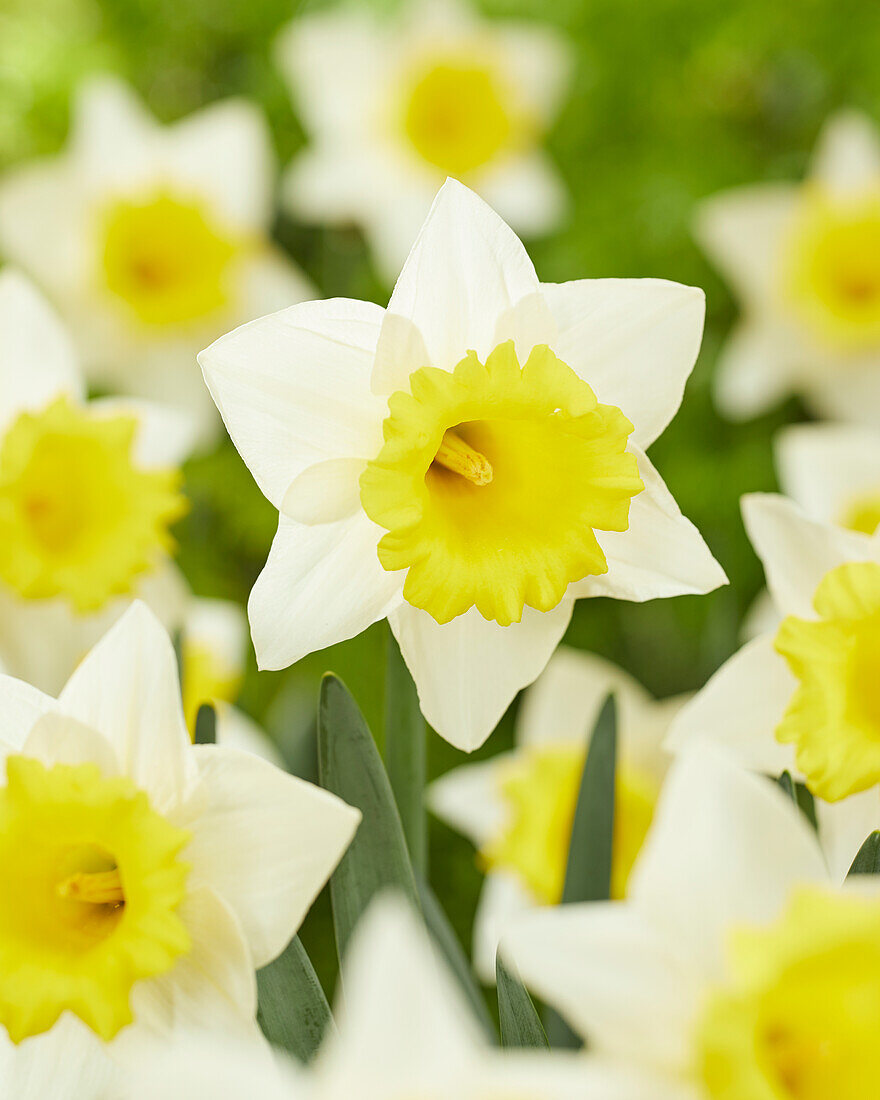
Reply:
x=669, y=101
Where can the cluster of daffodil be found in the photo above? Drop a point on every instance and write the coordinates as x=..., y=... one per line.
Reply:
x=465, y=464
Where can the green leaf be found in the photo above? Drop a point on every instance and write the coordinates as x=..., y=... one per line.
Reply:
x=350, y=766
x=206, y=725
x=293, y=1011
x=588, y=872
x=520, y=1024
x=446, y=939
x=786, y=785
x=405, y=745
x=867, y=861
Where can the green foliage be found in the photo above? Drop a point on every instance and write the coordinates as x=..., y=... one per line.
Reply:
x=520, y=1024
x=293, y=1011
x=867, y=861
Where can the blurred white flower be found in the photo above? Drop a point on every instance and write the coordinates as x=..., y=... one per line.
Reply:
x=405, y=1030
x=803, y=697
x=145, y=878
x=518, y=806
x=393, y=106
x=736, y=967
x=87, y=492
x=213, y=641
x=503, y=491
x=151, y=240
x=804, y=260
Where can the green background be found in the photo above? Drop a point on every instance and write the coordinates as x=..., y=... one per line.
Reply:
x=671, y=100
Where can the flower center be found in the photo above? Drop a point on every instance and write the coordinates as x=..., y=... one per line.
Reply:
x=799, y=1019
x=539, y=787
x=465, y=484
x=92, y=882
x=77, y=517
x=833, y=718
x=832, y=269
x=166, y=257
x=457, y=115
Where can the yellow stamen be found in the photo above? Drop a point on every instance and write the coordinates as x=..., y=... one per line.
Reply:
x=460, y=458
x=98, y=887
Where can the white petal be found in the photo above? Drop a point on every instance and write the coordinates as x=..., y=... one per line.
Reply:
x=660, y=554
x=403, y=1022
x=266, y=842
x=742, y=231
x=37, y=360
x=468, y=671
x=213, y=986
x=857, y=401
x=320, y=586
x=21, y=707
x=527, y=191
x=468, y=798
x=796, y=551
x=613, y=976
x=740, y=708
x=127, y=688
x=826, y=467
x=564, y=702
x=219, y=626
x=635, y=341
x=725, y=848
x=67, y=1063
x=503, y=899
x=59, y=739
x=755, y=370
x=845, y=826
x=270, y=281
x=166, y=436
x=111, y=131
x=847, y=156
x=464, y=271
x=326, y=492
x=539, y=59
x=293, y=388
x=236, y=730
x=761, y=617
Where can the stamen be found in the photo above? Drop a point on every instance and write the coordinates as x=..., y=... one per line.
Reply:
x=462, y=459
x=98, y=887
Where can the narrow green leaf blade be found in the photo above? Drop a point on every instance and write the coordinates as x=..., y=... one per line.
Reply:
x=206, y=725
x=350, y=766
x=520, y=1024
x=786, y=785
x=446, y=939
x=405, y=753
x=293, y=1012
x=588, y=872
x=867, y=861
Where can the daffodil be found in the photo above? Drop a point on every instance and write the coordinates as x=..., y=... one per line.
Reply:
x=804, y=259
x=88, y=491
x=393, y=106
x=802, y=697
x=145, y=878
x=736, y=969
x=151, y=240
x=518, y=807
x=467, y=462
x=213, y=640
x=405, y=1030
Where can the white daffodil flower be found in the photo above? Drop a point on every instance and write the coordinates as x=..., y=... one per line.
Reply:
x=213, y=641
x=435, y=91
x=405, y=1030
x=736, y=967
x=805, y=696
x=832, y=471
x=144, y=878
x=804, y=259
x=518, y=807
x=88, y=490
x=151, y=240
x=446, y=463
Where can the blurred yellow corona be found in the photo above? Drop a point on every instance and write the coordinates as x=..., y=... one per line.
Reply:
x=492, y=481
x=539, y=787
x=92, y=882
x=833, y=719
x=78, y=517
x=205, y=678
x=800, y=1017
